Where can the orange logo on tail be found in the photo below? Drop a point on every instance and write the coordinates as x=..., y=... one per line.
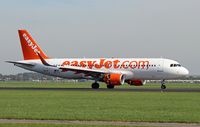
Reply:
x=30, y=48
x=29, y=42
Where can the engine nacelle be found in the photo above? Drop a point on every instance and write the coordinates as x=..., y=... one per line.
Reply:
x=136, y=82
x=114, y=79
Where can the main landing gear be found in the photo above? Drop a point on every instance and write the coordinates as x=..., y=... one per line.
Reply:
x=162, y=84
x=95, y=85
x=110, y=86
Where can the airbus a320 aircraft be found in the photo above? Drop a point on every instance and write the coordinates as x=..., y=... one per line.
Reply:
x=112, y=71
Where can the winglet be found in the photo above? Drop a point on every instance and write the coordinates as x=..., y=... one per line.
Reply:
x=43, y=60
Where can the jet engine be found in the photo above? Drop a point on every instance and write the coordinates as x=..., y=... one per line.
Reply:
x=114, y=79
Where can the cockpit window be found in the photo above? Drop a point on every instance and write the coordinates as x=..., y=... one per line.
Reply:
x=175, y=65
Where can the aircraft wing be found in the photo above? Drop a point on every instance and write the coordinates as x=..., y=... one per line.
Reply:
x=75, y=69
x=86, y=71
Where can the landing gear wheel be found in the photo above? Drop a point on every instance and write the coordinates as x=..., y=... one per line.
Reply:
x=95, y=85
x=110, y=86
x=163, y=87
x=162, y=84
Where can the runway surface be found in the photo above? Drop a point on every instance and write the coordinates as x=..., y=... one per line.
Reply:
x=105, y=89
x=113, y=123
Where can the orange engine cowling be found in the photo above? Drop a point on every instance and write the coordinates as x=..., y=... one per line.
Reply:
x=114, y=79
x=136, y=82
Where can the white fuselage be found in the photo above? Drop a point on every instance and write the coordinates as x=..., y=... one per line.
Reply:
x=112, y=71
x=132, y=68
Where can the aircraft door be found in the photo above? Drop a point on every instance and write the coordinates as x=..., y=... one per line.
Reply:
x=160, y=66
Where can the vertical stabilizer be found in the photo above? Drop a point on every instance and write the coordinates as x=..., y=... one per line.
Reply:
x=30, y=48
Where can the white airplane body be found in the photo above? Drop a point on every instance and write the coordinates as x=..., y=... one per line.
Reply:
x=112, y=71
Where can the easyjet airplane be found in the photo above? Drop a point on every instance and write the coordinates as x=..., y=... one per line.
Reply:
x=112, y=71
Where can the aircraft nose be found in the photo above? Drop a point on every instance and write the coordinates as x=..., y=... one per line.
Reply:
x=184, y=71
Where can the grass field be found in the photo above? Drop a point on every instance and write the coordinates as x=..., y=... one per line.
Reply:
x=88, y=85
x=95, y=105
x=56, y=125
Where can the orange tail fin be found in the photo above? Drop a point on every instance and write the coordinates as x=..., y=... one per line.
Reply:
x=30, y=48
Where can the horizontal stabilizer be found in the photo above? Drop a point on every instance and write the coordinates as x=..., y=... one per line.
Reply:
x=20, y=63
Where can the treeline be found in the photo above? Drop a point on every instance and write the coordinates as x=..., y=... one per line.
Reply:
x=25, y=77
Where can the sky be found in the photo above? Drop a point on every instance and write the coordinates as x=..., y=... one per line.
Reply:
x=103, y=28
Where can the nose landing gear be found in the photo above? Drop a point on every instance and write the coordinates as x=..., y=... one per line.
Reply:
x=163, y=84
